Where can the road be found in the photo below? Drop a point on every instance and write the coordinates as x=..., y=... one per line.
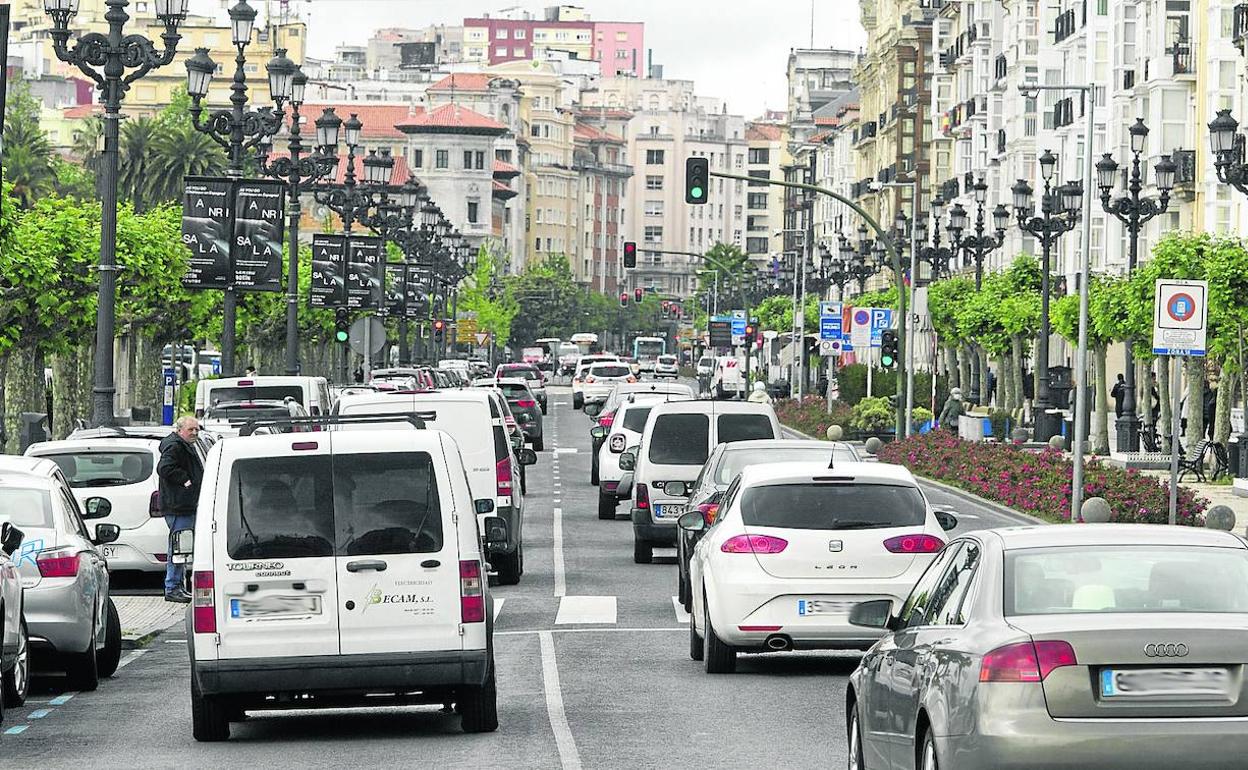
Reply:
x=593, y=671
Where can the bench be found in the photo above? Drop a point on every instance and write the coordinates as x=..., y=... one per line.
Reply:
x=1195, y=460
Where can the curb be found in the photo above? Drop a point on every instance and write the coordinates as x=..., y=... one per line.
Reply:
x=971, y=497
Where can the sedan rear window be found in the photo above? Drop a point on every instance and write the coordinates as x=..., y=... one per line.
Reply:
x=519, y=371
x=635, y=418
x=513, y=392
x=104, y=469
x=832, y=506
x=744, y=427
x=1171, y=578
x=614, y=370
x=680, y=439
x=25, y=507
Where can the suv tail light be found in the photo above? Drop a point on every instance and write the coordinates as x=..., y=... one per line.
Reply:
x=502, y=475
x=1026, y=661
x=643, y=496
x=56, y=564
x=204, y=603
x=708, y=511
x=914, y=544
x=589, y=380
x=630, y=378
x=607, y=419
x=471, y=597
x=525, y=403
x=153, y=505
x=754, y=544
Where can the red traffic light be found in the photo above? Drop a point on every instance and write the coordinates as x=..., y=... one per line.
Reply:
x=630, y=254
x=624, y=298
x=637, y=294
x=439, y=325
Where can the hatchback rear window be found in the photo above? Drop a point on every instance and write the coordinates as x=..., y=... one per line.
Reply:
x=832, y=506
x=635, y=418
x=733, y=462
x=514, y=392
x=25, y=507
x=614, y=370
x=104, y=469
x=386, y=503
x=680, y=439
x=255, y=393
x=744, y=427
x=519, y=371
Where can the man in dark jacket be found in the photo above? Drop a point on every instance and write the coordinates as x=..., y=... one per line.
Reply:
x=181, y=474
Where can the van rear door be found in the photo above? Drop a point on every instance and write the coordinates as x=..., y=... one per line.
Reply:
x=398, y=553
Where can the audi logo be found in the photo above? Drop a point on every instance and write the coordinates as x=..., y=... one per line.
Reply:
x=1165, y=650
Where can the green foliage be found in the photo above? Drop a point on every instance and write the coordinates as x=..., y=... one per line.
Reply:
x=943, y=300
x=27, y=156
x=872, y=415
x=852, y=381
x=886, y=298
x=496, y=311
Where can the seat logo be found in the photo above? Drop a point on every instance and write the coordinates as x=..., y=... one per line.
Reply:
x=835, y=546
x=1165, y=650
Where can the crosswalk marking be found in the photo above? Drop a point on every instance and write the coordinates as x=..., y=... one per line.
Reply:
x=681, y=615
x=586, y=609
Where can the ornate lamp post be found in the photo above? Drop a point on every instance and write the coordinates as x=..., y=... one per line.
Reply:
x=1059, y=212
x=1228, y=151
x=352, y=199
x=1133, y=211
x=934, y=255
x=105, y=58
x=981, y=244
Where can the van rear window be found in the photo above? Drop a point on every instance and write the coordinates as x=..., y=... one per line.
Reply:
x=680, y=439
x=386, y=503
x=744, y=427
x=281, y=508
x=256, y=393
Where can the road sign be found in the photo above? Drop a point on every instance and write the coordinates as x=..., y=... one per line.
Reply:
x=376, y=335
x=860, y=328
x=166, y=412
x=466, y=330
x=721, y=332
x=482, y=337
x=738, y=326
x=831, y=348
x=830, y=321
x=1180, y=317
x=881, y=319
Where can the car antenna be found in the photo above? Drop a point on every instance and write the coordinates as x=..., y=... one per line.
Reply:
x=832, y=461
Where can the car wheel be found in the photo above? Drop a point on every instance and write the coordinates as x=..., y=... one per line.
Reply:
x=855, y=741
x=606, y=506
x=577, y=400
x=110, y=656
x=543, y=407
x=209, y=715
x=478, y=706
x=682, y=589
x=508, y=566
x=643, y=553
x=927, y=756
x=721, y=658
x=524, y=486
x=539, y=444
x=695, y=642
x=82, y=669
x=593, y=471
x=17, y=679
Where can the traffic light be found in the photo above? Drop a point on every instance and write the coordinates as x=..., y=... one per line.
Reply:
x=697, y=180
x=630, y=255
x=637, y=294
x=888, y=348
x=439, y=329
x=342, y=325
x=624, y=298
x=749, y=330
x=665, y=304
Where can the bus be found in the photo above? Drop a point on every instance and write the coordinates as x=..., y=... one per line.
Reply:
x=647, y=349
x=586, y=341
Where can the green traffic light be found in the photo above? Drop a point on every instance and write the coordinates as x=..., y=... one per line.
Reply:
x=886, y=361
x=342, y=336
x=696, y=192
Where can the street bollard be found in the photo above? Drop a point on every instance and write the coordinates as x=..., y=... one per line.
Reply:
x=835, y=432
x=1020, y=435
x=1220, y=517
x=1095, y=510
x=1057, y=442
x=873, y=445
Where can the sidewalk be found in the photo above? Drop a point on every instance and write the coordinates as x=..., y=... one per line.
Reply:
x=142, y=617
x=1234, y=496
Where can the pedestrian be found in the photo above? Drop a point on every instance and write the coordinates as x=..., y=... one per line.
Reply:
x=250, y=371
x=759, y=394
x=359, y=374
x=1119, y=393
x=952, y=410
x=181, y=474
x=1210, y=408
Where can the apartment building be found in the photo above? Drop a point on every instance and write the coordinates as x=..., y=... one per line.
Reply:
x=767, y=155
x=516, y=35
x=599, y=156
x=816, y=77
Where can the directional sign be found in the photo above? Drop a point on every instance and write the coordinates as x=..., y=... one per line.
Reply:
x=830, y=321
x=1180, y=317
x=720, y=332
x=738, y=325
x=466, y=330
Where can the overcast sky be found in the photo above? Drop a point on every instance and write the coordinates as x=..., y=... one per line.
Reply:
x=733, y=49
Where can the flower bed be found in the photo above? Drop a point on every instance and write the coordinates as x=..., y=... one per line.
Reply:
x=810, y=416
x=1039, y=483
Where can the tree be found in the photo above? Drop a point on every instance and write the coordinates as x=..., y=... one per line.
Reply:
x=178, y=152
x=138, y=140
x=944, y=299
x=27, y=154
x=732, y=265
x=481, y=294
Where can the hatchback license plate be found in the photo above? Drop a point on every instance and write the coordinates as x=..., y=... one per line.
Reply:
x=275, y=606
x=1144, y=682
x=669, y=511
x=807, y=607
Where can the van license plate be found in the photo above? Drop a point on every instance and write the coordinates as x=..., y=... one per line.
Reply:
x=1143, y=682
x=669, y=511
x=275, y=606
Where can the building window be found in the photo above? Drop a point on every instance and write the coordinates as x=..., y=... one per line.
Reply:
x=654, y=157
x=472, y=212
x=537, y=244
x=418, y=158
x=755, y=245
x=757, y=200
x=480, y=160
x=467, y=159
x=535, y=130
x=500, y=51
x=654, y=232
x=520, y=34
x=759, y=155
x=500, y=34
x=654, y=182
x=654, y=208
x=756, y=175
x=517, y=52
x=442, y=159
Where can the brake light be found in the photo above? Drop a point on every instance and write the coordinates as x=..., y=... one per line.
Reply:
x=153, y=505
x=204, y=604
x=643, y=496
x=630, y=378
x=525, y=403
x=759, y=544
x=57, y=564
x=750, y=629
x=606, y=419
x=471, y=597
x=1026, y=661
x=914, y=544
x=708, y=511
x=502, y=475
x=589, y=380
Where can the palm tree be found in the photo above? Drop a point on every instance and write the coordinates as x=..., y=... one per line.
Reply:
x=27, y=156
x=176, y=152
x=137, y=138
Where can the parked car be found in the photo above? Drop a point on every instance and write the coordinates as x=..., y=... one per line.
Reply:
x=666, y=366
x=225, y=418
x=1117, y=646
x=312, y=393
x=532, y=376
x=524, y=408
x=14, y=635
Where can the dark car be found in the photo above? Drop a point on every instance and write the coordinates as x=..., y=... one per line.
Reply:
x=525, y=409
x=723, y=465
x=530, y=374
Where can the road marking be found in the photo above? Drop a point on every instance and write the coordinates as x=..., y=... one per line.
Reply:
x=61, y=700
x=586, y=609
x=599, y=630
x=564, y=741
x=175, y=641
x=561, y=585
x=39, y=714
x=570, y=450
x=967, y=516
x=16, y=730
x=498, y=606
x=132, y=657
x=681, y=615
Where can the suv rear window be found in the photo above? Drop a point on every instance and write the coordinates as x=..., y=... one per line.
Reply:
x=832, y=506
x=680, y=439
x=613, y=370
x=744, y=427
x=255, y=393
x=635, y=418
x=514, y=392
x=519, y=371
x=104, y=469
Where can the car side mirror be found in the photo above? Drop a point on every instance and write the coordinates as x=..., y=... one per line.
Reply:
x=485, y=505
x=495, y=530
x=106, y=533
x=96, y=508
x=948, y=521
x=692, y=522
x=872, y=614
x=598, y=432
x=592, y=410
x=517, y=442
x=10, y=538
x=527, y=457
x=183, y=546
x=628, y=461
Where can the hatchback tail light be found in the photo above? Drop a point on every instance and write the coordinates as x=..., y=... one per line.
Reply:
x=708, y=511
x=607, y=419
x=754, y=544
x=630, y=378
x=525, y=403
x=471, y=597
x=153, y=505
x=204, y=606
x=1026, y=661
x=502, y=475
x=914, y=544
x=643, y=496
x=57, y=564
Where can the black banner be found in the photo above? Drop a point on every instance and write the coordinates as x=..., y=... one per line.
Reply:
x=206, y=231
x=329, y=271
x=417, y=298
x=365, y=263
x=258, y=229
x=721, y=334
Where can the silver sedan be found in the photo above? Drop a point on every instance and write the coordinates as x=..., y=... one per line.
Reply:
x=1075, y=646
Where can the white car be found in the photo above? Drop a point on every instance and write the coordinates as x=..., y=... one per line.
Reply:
x=706, y=366
x=312, y=393
x=666, y=366
x=624, y=431
x=14, y=638
x=601, y=378
x=578, y=377
x=795, y=546
x=340, y=567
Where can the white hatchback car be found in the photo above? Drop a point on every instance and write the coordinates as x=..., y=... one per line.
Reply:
x=601, y=379
x=578, y=375
x=795, y=546
x=667, y=366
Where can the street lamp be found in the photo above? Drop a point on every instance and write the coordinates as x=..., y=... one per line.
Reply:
x=1059, y=212
x=977, y=247
x=934, y=255
x=1133, y=211
x=105, y=57
x=344, y=199
x=1228, y=151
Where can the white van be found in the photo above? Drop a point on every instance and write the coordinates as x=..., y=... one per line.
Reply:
x=728, y=379
x=339, y=567
x=472, y=418
x=312, y=393
x=677, y=438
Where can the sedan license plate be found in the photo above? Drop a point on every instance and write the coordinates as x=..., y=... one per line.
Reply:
x=275, y=606
x=806, y=607
x=669, y=511
x=108, y=551
x=1145, y=682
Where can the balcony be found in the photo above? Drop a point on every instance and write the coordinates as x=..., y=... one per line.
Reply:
x=1128, y=80
x=1181, y=56
x=1239, y=34
x=865, y=131
x=999, y=67
x=887, y=175
x=1064, y=26
x=949, y=189
x=1064, y=112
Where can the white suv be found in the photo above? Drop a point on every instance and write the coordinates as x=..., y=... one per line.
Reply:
x=578, y=377
x=624, y=431
x=339, y=567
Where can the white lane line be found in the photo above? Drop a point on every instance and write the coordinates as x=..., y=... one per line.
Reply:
x=569, y=758
x=599, y=630
x=967, y=516
x=586, y=609
x=498, y=607
x=681, y=615
x=566, y=450
x=132, y=657
x=561, y=585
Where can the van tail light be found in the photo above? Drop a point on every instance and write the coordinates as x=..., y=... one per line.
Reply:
x=1026, y=661
x=914, y=544
x=204, y=603
x=471, y=597
x=708, y=511
x=643, y=496
x=607, y=419
x=525, y=403
x=759, y=544
x=59, y=563
x=153, y=505
x=502, y=475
